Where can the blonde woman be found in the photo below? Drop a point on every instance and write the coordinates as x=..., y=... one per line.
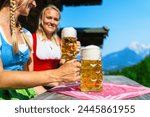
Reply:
x=46, y=43
x=15, y=54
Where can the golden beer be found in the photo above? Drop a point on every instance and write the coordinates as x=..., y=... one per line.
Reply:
x=69, y=43
x=91, y=69
x=69, y=48
x=91, y=75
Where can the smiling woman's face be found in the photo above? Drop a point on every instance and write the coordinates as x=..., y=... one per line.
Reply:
x=50, y=20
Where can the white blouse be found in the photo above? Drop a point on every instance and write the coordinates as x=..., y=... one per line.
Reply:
x=46, y=49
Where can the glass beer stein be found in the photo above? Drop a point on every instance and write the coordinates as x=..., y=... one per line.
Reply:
x=91, y=69
x=69, y=43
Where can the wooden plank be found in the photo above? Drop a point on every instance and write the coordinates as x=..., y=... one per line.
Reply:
x=81, y=2
x=120, y=80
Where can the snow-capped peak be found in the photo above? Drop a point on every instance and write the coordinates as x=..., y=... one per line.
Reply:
x=139, y=48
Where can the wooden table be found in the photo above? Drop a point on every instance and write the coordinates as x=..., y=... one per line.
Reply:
x=112, y=79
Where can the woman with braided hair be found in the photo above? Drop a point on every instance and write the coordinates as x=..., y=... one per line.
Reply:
x=16, y=82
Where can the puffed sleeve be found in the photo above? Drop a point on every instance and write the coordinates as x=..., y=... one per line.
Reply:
x=29, y=35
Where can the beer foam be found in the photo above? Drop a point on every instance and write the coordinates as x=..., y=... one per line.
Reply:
x=90, y=52
x=69, y=32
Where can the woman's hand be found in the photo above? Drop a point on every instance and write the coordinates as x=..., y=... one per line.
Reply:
x=69, y=72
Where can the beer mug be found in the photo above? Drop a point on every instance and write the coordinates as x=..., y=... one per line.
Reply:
x=91, y=69
x=69, y=43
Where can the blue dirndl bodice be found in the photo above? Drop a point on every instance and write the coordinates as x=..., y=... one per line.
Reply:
x=14, y=62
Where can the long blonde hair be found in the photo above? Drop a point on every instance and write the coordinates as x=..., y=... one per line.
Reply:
x=13, y=25
x=40, y=28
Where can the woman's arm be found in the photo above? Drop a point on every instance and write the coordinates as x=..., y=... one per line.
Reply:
x=69, y=72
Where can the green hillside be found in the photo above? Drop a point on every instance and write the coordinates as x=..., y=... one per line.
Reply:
x=139, y=72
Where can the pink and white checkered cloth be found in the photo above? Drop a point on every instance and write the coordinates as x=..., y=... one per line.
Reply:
x=111, y=91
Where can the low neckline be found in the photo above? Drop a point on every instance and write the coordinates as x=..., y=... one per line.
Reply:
x=22, y=47
x=3, y=34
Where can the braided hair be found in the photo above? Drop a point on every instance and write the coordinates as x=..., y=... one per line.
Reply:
x=13, y=25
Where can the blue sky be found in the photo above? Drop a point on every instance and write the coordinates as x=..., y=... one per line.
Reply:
x=128, y=21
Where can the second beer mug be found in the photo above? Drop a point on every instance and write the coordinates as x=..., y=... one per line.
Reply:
x=91, y=69
x=69, y=43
